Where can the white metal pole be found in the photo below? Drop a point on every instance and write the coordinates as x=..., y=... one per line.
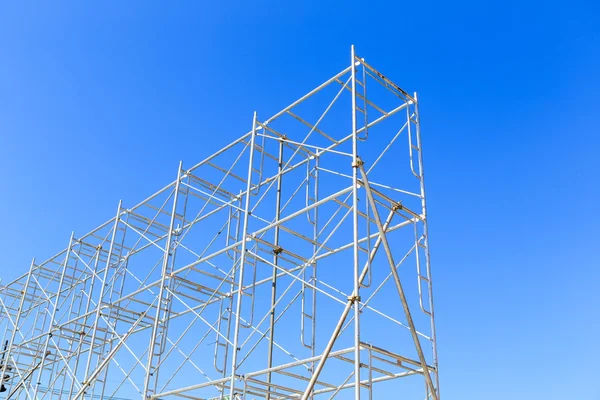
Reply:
x=240, y=293
x=356, y=294
x=150, y=370
x=274, y=276
x=101, y=295
x=426, y=242
x=6, y=355
x=52, y=316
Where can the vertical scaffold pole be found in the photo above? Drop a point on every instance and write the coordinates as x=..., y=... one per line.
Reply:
x=101, y=294
x=356, y=298
x=150, y=370
x=52, y=316
x=274, y=276
x=11, y=341
x=426, y=242
x=240, y=293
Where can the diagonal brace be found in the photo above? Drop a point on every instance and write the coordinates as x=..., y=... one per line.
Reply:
x=338, y=329
x=390, y=258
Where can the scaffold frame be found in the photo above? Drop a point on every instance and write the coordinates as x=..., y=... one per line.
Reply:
x=291, y=264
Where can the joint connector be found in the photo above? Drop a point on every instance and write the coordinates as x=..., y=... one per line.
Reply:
x=397, y=206
x=353, y=298
x=357, y=163
x=277, y=250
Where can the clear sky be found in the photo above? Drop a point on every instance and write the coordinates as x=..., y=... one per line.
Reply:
x=99, y=103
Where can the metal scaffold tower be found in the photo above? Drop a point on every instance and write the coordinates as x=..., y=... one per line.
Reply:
x=291, y=264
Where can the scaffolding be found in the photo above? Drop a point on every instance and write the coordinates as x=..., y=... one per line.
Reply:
x=291, y=264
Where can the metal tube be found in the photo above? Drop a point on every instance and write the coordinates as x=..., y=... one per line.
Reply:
x=309, y=94
x=356, y=294
x=274, y=276
x=316, y=249
x=407, y=313
x=101, y=294
x=164, y=273
x=11, y=341
x=375, y=380
x=426, y=242
x=242, y=262
x=52, y=316
x=249, y=375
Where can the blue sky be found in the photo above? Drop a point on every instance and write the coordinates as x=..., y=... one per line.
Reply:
x=99, y=103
